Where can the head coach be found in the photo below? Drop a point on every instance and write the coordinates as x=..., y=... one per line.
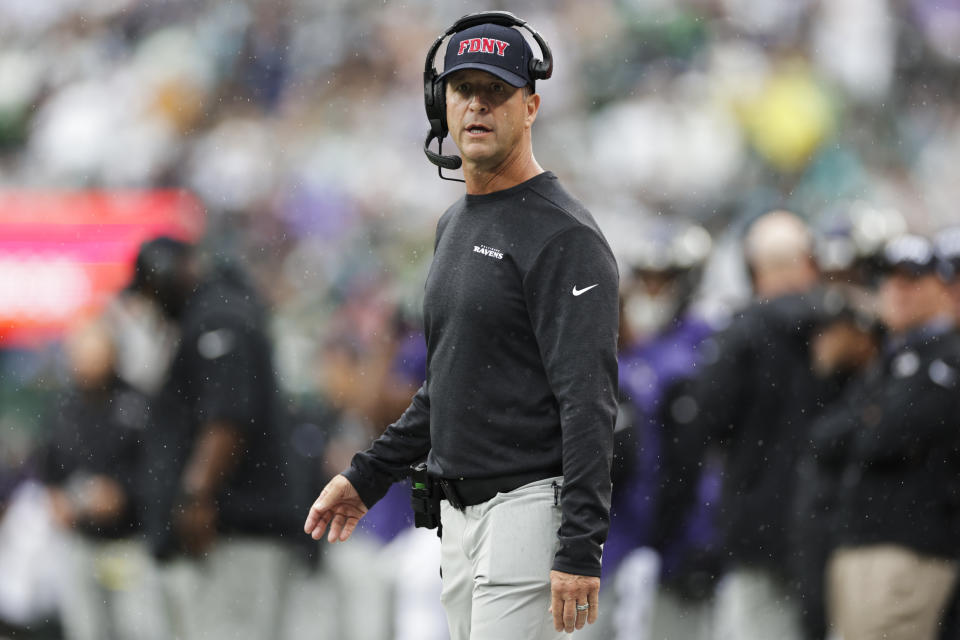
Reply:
x=515, y=419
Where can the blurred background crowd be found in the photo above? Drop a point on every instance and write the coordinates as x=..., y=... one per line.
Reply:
x=297, y=126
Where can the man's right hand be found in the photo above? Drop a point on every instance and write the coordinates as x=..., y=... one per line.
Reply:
x=338, y=505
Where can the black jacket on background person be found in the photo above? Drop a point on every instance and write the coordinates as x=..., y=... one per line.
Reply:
x=901, y=481
x=98, y=432
x=814, y=508
x=756, y=398
x=222, y=372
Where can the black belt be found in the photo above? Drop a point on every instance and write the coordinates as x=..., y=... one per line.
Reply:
x=468, y=492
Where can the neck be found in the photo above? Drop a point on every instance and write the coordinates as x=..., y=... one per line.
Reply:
x=514, y=169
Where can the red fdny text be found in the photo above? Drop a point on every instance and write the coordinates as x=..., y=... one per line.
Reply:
x=482, y=45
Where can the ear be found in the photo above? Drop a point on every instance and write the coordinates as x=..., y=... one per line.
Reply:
x=533, y=107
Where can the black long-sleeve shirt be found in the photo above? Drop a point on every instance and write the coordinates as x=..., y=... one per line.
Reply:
x=901, y=481
x=223, y=373
x=521, y=322
x=757, y=398
x=99, y=433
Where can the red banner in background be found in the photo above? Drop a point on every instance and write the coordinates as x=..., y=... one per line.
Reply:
x=63, y=255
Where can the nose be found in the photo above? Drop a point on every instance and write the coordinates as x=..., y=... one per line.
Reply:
x=478, y=102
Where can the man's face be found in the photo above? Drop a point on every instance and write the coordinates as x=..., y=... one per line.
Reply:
x=487, y=117
x=650, y=303
x=908, y=301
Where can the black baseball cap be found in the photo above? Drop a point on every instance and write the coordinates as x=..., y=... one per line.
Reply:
x=494, y=48
x=158, y=259
x=837, y=304
x=912, y=255
x=160, y=273
x=948, y=247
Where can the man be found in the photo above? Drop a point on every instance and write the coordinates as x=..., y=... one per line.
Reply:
x=90, y=466
x=844, y=343
x=947, y=242
x=898, y=502
x=516, y=415
x=754, y=396
x=219, y=500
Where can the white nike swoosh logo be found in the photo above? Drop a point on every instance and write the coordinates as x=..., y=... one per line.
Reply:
x=578, y=292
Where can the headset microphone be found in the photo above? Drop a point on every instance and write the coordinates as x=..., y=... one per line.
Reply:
x=451, y=163
x=434, y=91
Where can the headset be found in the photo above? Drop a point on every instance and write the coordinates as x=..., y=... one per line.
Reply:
x=434, y=89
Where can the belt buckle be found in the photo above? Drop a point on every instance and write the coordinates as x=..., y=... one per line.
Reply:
x=451, y=493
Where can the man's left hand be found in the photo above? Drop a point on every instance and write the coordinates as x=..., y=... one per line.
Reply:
x=195, y=520
x=567, y=592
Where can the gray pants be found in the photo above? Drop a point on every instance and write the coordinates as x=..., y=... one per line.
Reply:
x=496, y=559
x=645, y=611
x=677, y=619
x=413, y=555
x=111, y=592
x=238, y=591
x=752, y=604
x=347, y=597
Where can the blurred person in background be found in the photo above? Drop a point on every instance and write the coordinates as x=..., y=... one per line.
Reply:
x=897, y=523
x=219, y=502
x=850, y=238
x=34, y=560
x=516, y=417
x=948, y=248
x=385, y=583
x=752, y=399
x=845, y=341
x=415, y=583
x=656, y=553
x=347, y=585
x=947, y=242
x=91, y=466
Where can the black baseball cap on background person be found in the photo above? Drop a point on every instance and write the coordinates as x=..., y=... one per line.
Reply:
x=947, y=242
x=496, y=49
x=914, y=256
x=840, y=305
x=160, y=272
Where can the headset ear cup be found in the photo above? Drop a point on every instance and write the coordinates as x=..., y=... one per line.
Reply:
x=440, y=104
x=540, y=69
x=435, y=103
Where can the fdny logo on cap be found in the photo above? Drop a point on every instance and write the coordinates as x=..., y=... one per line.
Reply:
x=482, y=45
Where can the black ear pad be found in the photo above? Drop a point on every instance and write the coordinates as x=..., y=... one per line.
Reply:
x=541, y=69
x=440, y=100
x=434, y=97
